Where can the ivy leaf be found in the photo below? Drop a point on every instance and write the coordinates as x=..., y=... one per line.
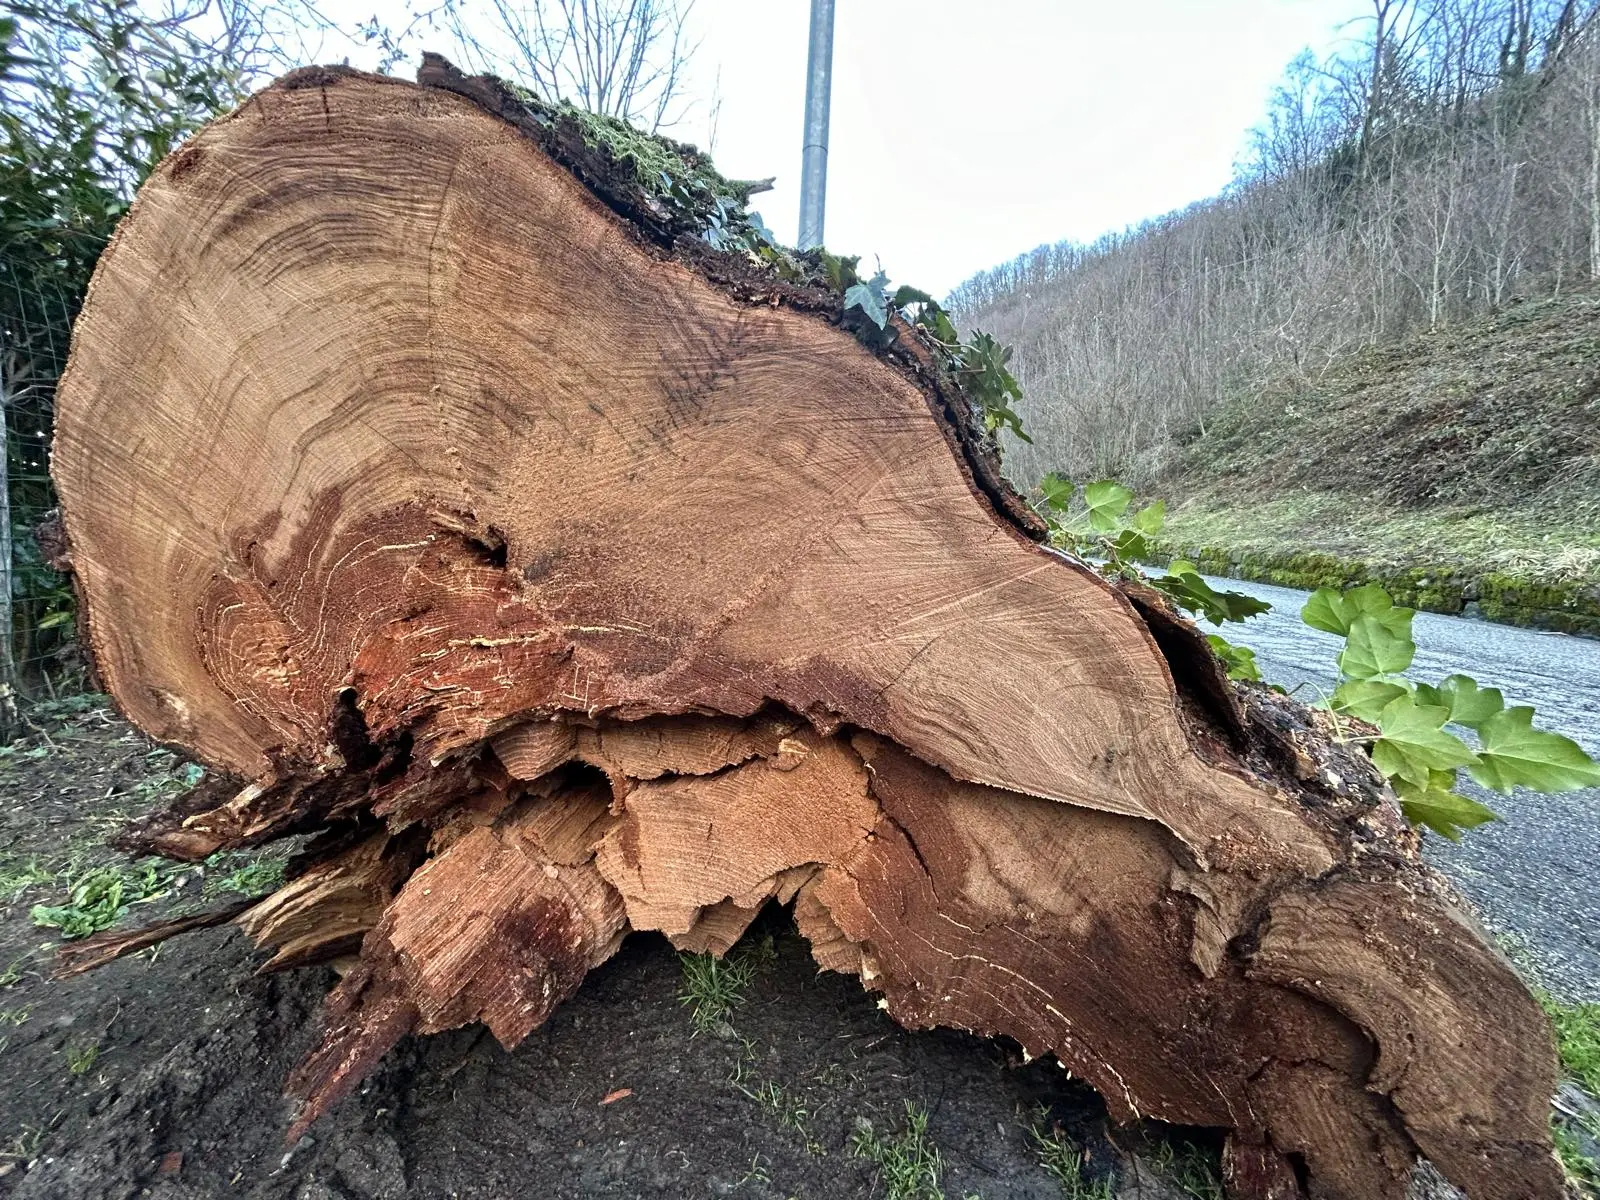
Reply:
x=1186, y=589
x=759, y=229
x=938, y=324
x=1130, y=546
x=1150, y=518
x=1374, y=651
x=982, y=365
x=1415, y=743
x=1236, y=606
x=1193, y=594
x=1108, y=500
x=1240, y=660
x=1365, y=698
x=840, y=272
x=1057, y=491
x=1441, y=810
x=1324, y=610
x=994, y=418
x=1469, y=704
x=1333, y=612
x=1370, y=600
x=869, y=298
x=1514, y=754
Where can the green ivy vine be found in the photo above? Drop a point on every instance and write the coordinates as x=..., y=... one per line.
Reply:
x=1412, y=731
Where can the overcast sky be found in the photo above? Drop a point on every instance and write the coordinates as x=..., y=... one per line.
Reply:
x=967, y=131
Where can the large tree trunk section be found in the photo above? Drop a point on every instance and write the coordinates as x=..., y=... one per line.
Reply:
x=575, y=580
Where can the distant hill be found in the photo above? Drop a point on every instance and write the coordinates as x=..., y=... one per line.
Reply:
x=1439, y=172
x=1500, y=414
x=1461, y=466
x=1381, y=340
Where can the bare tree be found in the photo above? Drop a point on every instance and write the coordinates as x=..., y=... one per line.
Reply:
x=619, y=58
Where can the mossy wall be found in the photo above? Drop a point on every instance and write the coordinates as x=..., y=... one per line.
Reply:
x=1567, y=606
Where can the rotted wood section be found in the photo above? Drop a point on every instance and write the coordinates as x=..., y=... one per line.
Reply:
x=566, y=581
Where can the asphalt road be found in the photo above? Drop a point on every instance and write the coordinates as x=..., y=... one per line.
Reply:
x=1534, y=874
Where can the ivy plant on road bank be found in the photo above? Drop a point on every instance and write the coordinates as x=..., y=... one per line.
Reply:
x=1417, y=748
x=1099, y=525
x=1410, y=729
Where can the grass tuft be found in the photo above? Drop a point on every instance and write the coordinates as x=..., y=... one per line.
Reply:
x=713, y=987
x=11, y=974
x=1062, y=1159
x=23, y=1147
x=254, y=878
x=1577, y=1029
x=909, y=1165
x=17, y=878
x=15, y=1016
x=1189, y=1169
x=1580, y=1168
x=81, y=1057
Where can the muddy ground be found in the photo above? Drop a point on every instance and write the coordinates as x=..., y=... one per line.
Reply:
x=160, y=1075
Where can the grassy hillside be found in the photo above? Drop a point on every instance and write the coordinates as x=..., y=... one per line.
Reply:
x=1461, y=466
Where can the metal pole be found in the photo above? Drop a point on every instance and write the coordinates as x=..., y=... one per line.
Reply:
x=814, y=154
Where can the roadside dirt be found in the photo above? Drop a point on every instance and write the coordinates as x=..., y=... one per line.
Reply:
x=160, y=1075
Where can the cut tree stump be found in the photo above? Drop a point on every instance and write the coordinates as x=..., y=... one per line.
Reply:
x=569, y=577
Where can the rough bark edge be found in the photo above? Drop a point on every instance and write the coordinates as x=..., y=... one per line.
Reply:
x=615, y=184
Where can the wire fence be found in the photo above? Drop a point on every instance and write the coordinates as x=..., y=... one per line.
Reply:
x=39, y=655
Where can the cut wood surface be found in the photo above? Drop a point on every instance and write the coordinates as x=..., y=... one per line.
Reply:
x=573, y=579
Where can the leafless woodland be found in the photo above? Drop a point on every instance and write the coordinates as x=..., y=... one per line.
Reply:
x=1445, y=163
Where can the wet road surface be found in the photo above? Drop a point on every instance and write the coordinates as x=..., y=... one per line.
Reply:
x=1535, y=874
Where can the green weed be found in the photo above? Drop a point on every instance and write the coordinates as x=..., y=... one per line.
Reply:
x=713, y=987
x=24, y=1147
x=253, y=878
x=15, y=1016
x=909, y=1165
x=11, y=973
x=98, y=899
x=1189, y=1169
x=1580, y=1168
x=18, y=878
x=81, y=1057
x=72, y=705
x=757, y=1172
x=1577, y=1029
x=790, y=1111
x=788, y=1108
x=1062, y=1160
x=167, y=778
